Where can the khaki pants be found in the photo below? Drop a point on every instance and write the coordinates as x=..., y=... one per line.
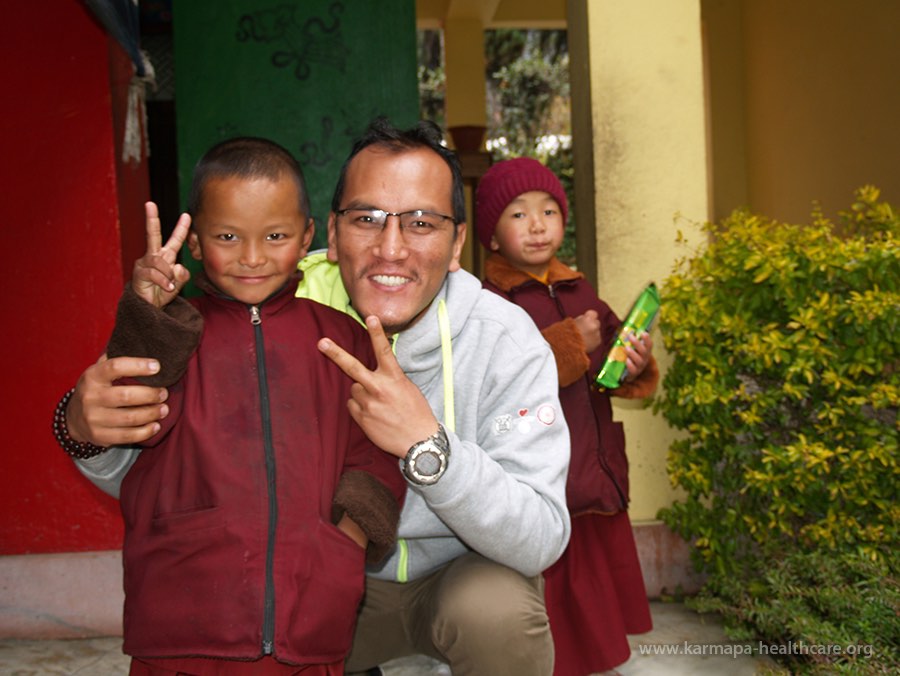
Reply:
x=480, y=617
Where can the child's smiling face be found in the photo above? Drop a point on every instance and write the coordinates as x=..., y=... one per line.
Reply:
x=529, y=232
x=250, y=234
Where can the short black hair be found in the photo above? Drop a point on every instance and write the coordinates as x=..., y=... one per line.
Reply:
x=246, y=157
x=425, y=134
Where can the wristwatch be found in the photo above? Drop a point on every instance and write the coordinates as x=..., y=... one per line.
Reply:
x=426, y=461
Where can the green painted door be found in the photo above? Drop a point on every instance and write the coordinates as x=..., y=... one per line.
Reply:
x=308, y=74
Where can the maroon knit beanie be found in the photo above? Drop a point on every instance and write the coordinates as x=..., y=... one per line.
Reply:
x=505, y=181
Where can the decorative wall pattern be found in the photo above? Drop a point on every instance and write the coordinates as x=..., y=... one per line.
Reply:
x=297, y=41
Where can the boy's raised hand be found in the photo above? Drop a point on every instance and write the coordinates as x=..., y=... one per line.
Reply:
x=588, y=325
x=157, y=276
x=386, y=404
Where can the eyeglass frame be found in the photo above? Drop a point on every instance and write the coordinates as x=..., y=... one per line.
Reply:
x=373, y=211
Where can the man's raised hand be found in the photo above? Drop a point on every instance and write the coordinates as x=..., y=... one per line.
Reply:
x=107, y=414
x=157, y=276
x=386, y=404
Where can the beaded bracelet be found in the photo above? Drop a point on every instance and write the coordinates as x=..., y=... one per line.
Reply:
x=77, y=449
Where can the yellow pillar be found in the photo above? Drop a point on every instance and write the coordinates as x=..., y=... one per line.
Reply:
x=639, y=96
x=464, y=68
x=466, y=104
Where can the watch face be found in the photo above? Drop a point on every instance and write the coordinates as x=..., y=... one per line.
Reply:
x=427, y=460
x=427, y=463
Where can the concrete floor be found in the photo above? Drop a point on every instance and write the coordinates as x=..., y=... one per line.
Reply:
x=679, y=633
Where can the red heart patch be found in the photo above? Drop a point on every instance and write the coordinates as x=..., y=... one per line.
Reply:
x=523, y=412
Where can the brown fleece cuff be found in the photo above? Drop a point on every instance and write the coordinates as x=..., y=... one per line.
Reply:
x=568, y=348
x=170, y=335
x=642, y=386
x=372, y=507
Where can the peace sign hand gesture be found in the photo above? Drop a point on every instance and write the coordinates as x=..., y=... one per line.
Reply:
x=157, y=276
x=386, y=404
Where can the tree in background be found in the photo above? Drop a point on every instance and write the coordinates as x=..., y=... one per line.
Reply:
x=432, y=79
x=527, y=77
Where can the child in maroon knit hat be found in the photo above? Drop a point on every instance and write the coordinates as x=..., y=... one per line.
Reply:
x=595, y=593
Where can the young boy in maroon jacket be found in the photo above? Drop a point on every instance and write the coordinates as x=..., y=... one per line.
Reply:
x=250, y=515
x=595, y=593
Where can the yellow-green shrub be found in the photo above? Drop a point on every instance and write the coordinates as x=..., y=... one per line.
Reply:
x=786, y=377
x=786, y=382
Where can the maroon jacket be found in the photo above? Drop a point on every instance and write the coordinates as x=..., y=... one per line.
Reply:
x=230, y=549
x=598, y=470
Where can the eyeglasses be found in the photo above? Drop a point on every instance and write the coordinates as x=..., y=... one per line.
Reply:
x=416, y=223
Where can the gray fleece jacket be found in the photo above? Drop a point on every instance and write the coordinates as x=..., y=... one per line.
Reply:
x=503, y=494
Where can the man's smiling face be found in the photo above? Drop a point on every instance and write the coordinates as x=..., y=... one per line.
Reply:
x=390, y=273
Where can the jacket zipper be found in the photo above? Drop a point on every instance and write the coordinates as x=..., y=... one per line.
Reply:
x=268, y=630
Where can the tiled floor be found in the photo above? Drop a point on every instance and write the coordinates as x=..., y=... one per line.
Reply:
x=680, y=638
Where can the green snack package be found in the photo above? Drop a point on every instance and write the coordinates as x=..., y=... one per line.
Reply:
x=640, y=318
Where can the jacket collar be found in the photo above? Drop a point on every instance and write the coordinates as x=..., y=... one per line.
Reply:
x=284, y=292
x=506, y=277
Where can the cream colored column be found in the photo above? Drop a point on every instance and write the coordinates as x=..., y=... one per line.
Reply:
x=464, y=68
x=645, y=75
x=464, y=65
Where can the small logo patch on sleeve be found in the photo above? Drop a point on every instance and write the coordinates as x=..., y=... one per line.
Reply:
x=523, y=421
x=546, y=414
x=502, y=424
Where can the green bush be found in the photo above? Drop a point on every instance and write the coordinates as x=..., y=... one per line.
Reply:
x=818, y=612
x=786, y=384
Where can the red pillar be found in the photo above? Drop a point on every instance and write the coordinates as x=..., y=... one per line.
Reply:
x=62, y=231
